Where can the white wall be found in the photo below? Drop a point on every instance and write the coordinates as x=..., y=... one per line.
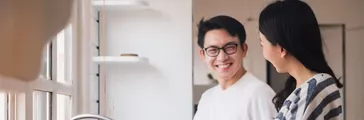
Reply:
x=161, y=90
x=348, y=12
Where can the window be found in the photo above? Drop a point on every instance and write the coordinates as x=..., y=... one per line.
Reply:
x=41, y=105
x=3, y=106
x=52, y=99
x=47, y=63
x=49, y=97
x=63, y=107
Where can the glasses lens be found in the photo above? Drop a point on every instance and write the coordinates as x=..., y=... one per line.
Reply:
x=212, y=51
x=230, y=49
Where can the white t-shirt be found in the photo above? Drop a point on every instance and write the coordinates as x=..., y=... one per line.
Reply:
x=247, y=99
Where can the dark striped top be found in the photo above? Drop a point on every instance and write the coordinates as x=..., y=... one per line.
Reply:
x=316, y=99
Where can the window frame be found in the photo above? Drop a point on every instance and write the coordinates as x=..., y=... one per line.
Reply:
x=20, y=104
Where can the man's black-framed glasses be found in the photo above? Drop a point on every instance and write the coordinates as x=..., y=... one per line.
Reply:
x=214, y=51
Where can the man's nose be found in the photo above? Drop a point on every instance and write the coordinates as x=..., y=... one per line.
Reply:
x=222, y=56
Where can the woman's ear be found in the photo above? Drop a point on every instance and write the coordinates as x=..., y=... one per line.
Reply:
x=283, y=52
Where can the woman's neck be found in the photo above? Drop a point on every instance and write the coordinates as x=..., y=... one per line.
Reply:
x=301, y=73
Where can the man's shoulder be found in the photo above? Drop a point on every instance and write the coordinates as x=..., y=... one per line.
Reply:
x=255, y=82
x=209, y=91
x=256, y=86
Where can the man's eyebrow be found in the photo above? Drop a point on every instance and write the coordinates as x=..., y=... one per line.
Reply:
x=212, y=46
x=229, y=43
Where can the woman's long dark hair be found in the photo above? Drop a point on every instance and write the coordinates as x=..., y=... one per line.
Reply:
x=293, y=25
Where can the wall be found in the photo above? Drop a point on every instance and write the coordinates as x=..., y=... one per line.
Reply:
x=162, y=89
x=348, y=12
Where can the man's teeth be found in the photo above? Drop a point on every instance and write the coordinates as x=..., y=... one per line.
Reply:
x=223, y=65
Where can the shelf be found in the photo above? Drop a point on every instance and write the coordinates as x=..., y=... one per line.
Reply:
x=119, y=59
x=121, y=5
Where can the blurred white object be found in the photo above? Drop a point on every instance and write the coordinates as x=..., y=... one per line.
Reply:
x=26, y=27
x=121, y=5
x=87, y=116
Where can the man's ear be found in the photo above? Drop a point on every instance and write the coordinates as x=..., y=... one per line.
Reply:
x=202, y=54
x=245, y=49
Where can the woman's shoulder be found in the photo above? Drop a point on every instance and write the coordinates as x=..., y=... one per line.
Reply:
x=322, y=85
x=322, y=97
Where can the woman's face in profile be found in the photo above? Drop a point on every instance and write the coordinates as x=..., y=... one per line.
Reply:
x=275, y=54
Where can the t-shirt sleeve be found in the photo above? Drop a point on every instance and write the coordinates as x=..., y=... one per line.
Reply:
x=261, y=105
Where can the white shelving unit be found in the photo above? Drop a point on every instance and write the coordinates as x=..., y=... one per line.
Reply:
x=121, y=5
x=115, y=62
x=119, y=59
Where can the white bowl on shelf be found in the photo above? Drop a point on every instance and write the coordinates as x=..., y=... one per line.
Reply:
x=119, y=59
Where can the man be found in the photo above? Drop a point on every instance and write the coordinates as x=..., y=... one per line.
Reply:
x=239, y=94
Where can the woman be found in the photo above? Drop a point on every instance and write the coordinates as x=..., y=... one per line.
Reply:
x=291, y=41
